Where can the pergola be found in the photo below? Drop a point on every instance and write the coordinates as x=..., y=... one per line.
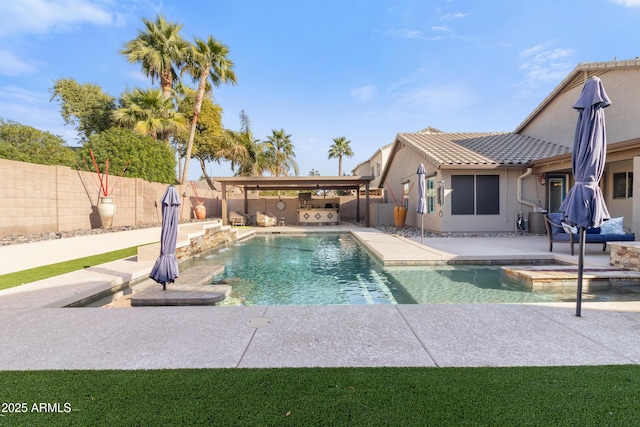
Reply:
x=300, y=183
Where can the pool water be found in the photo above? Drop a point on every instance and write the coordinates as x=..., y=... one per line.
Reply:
x=334, y=269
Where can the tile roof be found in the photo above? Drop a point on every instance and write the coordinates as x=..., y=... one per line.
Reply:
x=479, y=148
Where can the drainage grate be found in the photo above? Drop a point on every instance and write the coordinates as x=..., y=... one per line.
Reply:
x=259, y=322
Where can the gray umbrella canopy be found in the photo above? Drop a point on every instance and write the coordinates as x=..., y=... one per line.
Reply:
x=165, y=270
x=422, y=202
x=584, y=206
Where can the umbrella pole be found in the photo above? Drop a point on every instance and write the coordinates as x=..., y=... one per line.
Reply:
x=422, y=228
x=583, y=236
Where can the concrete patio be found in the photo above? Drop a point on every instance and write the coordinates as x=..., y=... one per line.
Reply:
x=39, y=334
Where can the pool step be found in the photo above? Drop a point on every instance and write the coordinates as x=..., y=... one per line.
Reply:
x=191, y=288
x=383, y=287
x=365, y=290
x=563, y=278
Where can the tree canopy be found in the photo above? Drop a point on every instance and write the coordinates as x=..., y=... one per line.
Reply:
x=84, y=106
x=27, y=144
x=339, y=149
x=280, y=153
x=147, y=158
x=160, y=50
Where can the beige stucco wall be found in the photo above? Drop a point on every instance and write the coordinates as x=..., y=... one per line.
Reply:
x=618, y=207
x=404, y=167
x=557, y=122
x=41, y=199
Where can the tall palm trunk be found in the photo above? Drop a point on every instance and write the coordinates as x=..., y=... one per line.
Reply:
x=196, y=112
x=340, y=166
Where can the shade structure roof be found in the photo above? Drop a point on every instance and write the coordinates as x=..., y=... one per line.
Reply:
x=296, y=182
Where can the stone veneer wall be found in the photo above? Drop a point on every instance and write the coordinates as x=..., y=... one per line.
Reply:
x=625, y=255
x=212, y=238
x=48, y=199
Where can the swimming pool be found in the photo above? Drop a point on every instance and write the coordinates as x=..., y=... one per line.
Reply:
x=330, y=269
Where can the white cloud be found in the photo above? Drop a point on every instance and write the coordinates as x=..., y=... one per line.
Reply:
x=41, y=16
x=543, y=63
x=13, y=66
x=364, y=93
x=406, y=33
x=628, y=3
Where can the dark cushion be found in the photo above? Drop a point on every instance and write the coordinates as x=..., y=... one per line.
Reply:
x=618, y=237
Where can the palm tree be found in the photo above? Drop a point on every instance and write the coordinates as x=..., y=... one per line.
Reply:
x=148, y=112
x=206, y=60
x=279, y=151
x=160, y=50
x=340, y=148
x=247, y=155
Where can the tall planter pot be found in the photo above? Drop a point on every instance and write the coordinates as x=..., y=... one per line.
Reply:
x=200, y=210
x=106, y=210
x=399, y=215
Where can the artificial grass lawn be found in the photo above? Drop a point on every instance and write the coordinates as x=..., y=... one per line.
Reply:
x=31, y=275
x=585, y=396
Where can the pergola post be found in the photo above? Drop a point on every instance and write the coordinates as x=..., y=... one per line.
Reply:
x=358, y=204
x=246, y=200
x=225, y=216
x=367, y=223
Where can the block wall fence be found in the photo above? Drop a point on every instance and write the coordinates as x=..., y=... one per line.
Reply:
x=48, y=199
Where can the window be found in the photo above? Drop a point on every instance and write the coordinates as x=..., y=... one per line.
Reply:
x=431, y=195
x=378, y=169
x=405, y=194
x=475, y=195
x=372, y=174
x=623, y=185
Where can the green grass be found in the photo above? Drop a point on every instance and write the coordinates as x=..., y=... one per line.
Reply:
x=31, y=275
x=558, y=396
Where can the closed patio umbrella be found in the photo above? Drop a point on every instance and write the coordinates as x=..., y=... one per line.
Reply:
x=165, y=270
x=422, y=202
x=584, y=206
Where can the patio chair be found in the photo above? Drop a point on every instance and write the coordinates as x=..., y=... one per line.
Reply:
x=266, y=219
x=236, y=218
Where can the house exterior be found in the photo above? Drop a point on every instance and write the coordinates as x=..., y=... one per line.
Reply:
x=374, y=166
x=554, y=120
x=472, y=178
x=482, y=182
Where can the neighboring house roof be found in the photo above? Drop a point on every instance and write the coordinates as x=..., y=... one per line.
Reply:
x=372, y=157
x=577, y=78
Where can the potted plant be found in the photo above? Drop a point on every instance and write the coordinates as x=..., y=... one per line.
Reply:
x=200, y=211
x=399, y=211
x=106, y=207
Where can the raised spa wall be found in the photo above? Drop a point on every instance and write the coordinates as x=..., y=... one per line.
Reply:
x=192, y=244
x=625, y=255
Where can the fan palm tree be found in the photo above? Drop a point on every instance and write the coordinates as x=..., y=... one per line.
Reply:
x=339, y=149
x=160, y=50
x=148, y=112
x=247, y=155
x=279, y=151
x=207, y=60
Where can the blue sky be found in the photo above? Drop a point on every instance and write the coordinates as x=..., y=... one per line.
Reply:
x=362, y=69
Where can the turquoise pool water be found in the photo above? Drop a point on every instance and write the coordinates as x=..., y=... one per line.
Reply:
x=330, y=269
